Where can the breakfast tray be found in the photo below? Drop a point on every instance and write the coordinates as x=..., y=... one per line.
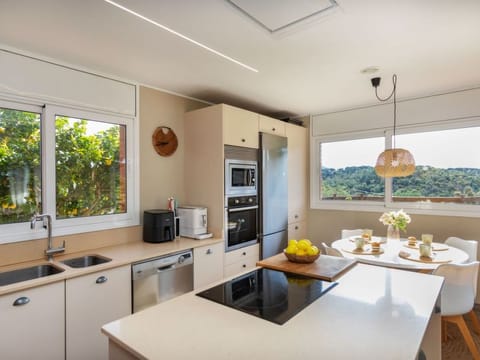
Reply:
x=435, y=246
x=423, y=259
x=324, y=268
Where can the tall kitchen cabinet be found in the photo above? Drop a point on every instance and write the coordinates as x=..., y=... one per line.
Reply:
x=207, y=131
x=297, y=180
x=91, y=301
x=32, y=323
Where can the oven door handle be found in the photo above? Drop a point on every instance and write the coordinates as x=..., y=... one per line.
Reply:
x=243, y=208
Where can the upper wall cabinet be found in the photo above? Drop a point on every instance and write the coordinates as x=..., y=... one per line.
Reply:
x=240, y=127
x=270, y=125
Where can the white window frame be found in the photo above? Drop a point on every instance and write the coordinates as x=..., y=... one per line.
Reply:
x=464, y=210
x=21, y=231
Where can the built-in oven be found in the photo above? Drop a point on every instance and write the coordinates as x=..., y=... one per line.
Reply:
x=241, y=219
x=240, y=177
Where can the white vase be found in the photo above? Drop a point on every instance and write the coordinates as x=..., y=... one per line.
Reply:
x=393, y=233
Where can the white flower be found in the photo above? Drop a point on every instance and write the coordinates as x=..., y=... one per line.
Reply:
x=398, y=219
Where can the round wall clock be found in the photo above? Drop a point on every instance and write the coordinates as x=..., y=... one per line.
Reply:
x=164, y=141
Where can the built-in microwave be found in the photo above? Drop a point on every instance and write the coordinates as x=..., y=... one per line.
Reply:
x=240, y=177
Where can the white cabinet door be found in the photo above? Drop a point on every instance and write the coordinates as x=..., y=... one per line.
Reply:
x=92, y=301
x=240, y=127
x=272, y=126
x=297, y=230
x=207, y=265
x=297, y=172
x=36, y=329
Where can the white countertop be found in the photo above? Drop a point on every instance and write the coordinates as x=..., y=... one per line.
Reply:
x=373, y=313
x=123, y=254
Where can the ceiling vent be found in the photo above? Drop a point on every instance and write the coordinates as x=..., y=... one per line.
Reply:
x=279, y=15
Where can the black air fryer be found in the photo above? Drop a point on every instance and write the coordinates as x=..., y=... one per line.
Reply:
x=158, y=226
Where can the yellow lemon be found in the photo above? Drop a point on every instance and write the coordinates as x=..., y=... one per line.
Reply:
x=291, y=249
x=306, y=240
x=313, y=250
x=292, y=242
x=301, y=252
x=303, y=244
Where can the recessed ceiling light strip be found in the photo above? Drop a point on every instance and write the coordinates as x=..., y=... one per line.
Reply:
x=180, y=35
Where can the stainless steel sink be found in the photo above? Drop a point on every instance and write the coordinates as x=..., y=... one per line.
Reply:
x=86, y=261
x=29, y=273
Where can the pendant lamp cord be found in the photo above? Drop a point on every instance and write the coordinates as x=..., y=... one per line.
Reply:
x=394, y=94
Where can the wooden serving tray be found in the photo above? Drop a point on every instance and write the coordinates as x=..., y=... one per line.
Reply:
x=422, y=259
x=324, y=268
x=365, y=251
x=435, y=246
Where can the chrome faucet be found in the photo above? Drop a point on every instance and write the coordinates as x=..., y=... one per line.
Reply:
x=47, y=224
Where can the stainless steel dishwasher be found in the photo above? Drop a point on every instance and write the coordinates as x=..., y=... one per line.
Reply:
x=159, y=279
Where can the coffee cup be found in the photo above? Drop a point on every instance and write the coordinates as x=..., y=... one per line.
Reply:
x=359, y=243
x=367, y=233
x=427, y=239
x=425, y=250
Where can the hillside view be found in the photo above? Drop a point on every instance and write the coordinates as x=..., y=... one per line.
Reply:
x=361, y=182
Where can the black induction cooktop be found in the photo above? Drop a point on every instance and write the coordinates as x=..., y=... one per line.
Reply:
x=272, y=295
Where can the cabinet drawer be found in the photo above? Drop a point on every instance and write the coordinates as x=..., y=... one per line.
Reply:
x=243, y=253
x=271, y=126
x=240, y=266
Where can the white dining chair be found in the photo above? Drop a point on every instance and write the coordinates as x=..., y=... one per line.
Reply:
x=458, y=297
x=469, y=246
x=331, y=251
x=346, y=233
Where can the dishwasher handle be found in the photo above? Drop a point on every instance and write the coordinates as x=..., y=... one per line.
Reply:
x=166, y=268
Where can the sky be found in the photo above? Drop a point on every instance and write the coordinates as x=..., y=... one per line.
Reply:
x=441, y=149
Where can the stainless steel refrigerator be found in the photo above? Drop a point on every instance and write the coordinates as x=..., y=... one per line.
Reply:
x=273, y=191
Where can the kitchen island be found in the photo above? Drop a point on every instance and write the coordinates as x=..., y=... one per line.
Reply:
x=373, y=313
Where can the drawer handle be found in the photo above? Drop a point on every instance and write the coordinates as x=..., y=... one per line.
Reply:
x=296, y=216
x=101, y=280
x=244, y=265
x=243, y=140
x=21, y=301
x=244, y=253
x=296, y=227
x=273, y=129
x=209, y=251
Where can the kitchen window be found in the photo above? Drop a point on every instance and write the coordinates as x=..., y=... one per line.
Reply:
x=20, y=163
x=446, y=180
x=73, y=164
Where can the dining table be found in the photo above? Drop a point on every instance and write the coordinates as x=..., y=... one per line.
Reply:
x=398, y=253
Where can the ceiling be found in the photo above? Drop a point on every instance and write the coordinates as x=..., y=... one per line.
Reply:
x=312, y=67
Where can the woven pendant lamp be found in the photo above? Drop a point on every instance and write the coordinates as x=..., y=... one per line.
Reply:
x=394, y=162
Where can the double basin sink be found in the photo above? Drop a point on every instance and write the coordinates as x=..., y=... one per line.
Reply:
x=39, y=271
